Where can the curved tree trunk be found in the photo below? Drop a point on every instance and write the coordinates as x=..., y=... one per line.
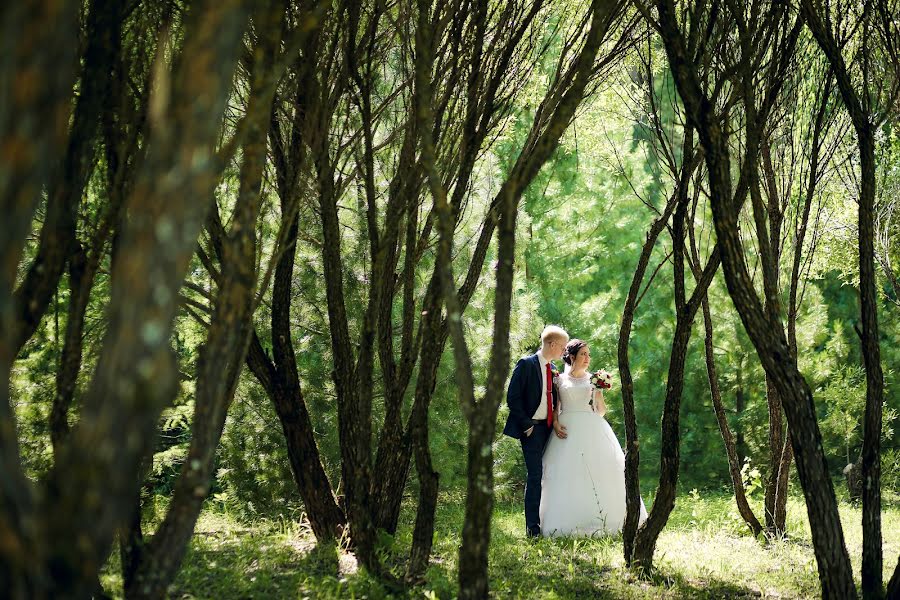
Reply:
x=279, y=375
x=731, y=447
x=768, y=338
x=858, y=104
x=57, y=237
x=40, y=46
x=734, y=463
x=686, y=310
x=893, y=587
x=776, y=446
x=632, y=452
x=222, y=356
x=423, y=532
x=136, y=376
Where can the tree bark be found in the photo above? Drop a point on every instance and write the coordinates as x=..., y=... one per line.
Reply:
x=739, y=405
x=432, y=348
x=57, y=235
x=121, y=155
x=731, y=448
x=632, y=453
x=768, y=338
x=481, y=415
x=893, y=587
x=279, y=375
x=734, y=462
x=686, y=310
x=858, y=105
x=223, y=353
x=40, y=46
x=136, y=375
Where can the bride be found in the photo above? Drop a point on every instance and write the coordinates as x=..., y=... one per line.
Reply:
x=583, y=487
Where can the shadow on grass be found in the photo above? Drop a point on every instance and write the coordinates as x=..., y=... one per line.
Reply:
x=589, y=568
x=246, y=565
x=259, y=565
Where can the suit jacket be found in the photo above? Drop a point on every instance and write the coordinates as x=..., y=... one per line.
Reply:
x=524, y=395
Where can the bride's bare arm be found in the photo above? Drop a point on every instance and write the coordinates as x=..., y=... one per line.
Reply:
x=599, y=403
x=558, y=427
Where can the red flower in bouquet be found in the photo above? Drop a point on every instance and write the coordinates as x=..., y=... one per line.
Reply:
x=602, y=379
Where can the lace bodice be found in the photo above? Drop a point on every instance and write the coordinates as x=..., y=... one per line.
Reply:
x=575, y=393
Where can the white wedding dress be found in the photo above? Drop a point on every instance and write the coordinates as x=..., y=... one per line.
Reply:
x=583, y=486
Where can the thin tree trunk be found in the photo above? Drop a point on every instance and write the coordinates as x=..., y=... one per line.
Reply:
x=734, y=462
x=740, y=444
x=226, y=345
x=57, y=237
x=858, y=105
x=40, y=47
x=279, y=375
x=432, y=348
x=632, y=453
x=136, y=375
x=781, y=487
x=871, y=450
x=84, y=263
x=776, y=447
x=893, y=587
x=131, y=535
x=481, y=415
x=686, y=311
x=768, y=338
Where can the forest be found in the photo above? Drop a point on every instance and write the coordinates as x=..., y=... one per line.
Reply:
x=267, y=268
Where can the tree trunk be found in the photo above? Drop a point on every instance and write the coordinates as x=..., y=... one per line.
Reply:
x=423, y=532
x=734, y=460
x=739, y=405
x=768, y=338
x=70, y=358
x=131, y=535
x=482, y=416
x=893, y=587
x=871, y=450
x=40, y=47
x=223, y=354
x=858, y=105
x=632, y=453
x=776, y=446
x=280, y=378
x=103, y=36
x=136, y=376
x=473, y=555
x=326, y=518
x=686, y=310
x=781, y=488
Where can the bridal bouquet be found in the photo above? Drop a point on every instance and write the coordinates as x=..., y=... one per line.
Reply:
x=602, y=379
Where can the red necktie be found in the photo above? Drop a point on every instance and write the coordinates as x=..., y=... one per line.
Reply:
x=549, y=396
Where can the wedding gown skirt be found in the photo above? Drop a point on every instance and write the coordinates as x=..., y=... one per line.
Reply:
x=583, y=486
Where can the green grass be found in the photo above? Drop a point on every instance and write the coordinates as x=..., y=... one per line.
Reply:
x=703, y=553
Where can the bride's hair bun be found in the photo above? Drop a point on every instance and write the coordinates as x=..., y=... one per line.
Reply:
x=572, y=349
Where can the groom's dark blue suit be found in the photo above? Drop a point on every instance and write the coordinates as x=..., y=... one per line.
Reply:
x=526, y=392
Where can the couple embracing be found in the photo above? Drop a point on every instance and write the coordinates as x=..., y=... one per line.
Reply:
x=575, y=466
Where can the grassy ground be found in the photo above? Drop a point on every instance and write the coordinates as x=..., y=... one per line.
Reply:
x=703, y=553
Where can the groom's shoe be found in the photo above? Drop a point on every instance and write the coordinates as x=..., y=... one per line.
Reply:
x=532, y=533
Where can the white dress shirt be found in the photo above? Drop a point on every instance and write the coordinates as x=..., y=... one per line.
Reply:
x=541, y=412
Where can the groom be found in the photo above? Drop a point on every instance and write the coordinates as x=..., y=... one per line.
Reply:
x=531, y=398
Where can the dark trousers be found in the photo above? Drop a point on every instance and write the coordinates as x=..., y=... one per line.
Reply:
x=533, y=451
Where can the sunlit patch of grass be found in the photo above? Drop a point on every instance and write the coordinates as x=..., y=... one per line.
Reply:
x=705, y=552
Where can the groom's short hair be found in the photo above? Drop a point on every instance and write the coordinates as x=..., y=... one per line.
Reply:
x=552, y=333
